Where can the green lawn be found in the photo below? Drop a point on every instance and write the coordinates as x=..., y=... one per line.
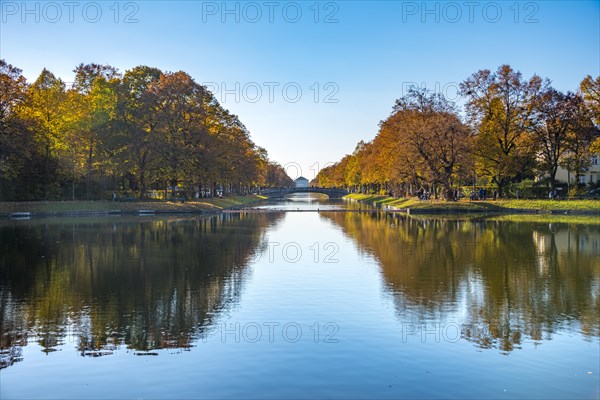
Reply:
x=491, y=205
x=588, y=205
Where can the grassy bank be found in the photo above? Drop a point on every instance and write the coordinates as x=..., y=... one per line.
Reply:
x=83, y=207
x=582, y=206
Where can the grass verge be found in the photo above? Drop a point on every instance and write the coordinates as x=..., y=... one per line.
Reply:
x=67, y=207
x=584, y=206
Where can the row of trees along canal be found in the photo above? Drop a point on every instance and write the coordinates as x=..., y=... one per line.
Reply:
x=140, y=132
x=513, y=130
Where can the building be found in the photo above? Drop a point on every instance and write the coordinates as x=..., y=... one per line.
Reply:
x=301, y=182
x=590, y=176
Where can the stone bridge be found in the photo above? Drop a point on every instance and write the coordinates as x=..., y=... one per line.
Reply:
x=277, y=193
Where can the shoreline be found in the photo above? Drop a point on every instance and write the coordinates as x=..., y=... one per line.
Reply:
x=411, y=206
x=42, y=209
x=513, y=206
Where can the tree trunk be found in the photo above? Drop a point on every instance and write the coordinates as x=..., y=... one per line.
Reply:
x=143, y=177
x=142, y=184
x=448, y=196
x=88, y=172
x=553, y=178
x=45, y=183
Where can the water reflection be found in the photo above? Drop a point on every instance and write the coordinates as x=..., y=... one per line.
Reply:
x=146, y=284
x=304, y=202
x=505, y=282
x=156, y=283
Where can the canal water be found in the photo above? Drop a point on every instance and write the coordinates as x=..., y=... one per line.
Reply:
x=297, y=300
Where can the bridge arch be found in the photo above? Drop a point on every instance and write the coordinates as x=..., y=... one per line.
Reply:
x=333, y=193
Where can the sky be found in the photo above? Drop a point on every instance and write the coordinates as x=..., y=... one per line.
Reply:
x=308, y=79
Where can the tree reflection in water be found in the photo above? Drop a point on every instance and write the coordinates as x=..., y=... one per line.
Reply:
x=504, y=280
x=106, y=283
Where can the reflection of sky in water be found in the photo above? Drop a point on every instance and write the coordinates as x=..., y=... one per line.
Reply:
x=304, y=202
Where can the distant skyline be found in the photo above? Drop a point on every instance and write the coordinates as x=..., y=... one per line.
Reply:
x=308, y=79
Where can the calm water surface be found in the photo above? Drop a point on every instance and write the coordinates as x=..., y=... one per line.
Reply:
x=300, y=305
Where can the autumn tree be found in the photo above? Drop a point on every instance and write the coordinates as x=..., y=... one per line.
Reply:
x=93, y=100
x=87, y=74
x=554, y=120
x=499, y=110
x=422, y=143
x=132, y=133
x=354, y=167
x=372, y=172
x=333, y=175
x=181, y=105
x=516, y=127
x=16, y=139
x=590, y=89
x=275, y=176
x=47, y=109
x=580, y=140
x=135, y=141
x=433, y=139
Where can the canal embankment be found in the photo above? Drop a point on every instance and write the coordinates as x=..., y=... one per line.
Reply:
x=147, y=207
x=511, y=206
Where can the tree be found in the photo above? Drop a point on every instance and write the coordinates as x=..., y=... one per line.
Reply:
x=47, y=108
x=16, y=139
x=144, y=130
x=554, y=119
x=432, y=137
x=591, y=93
x=135, y=141
x=353, y=171
x=423, y=142
x=499, y=110
x=580, y=140
x=333, y=175
x=182, y=115
x=274, y=176
x=86, y=75
x=93, y=127
x=372, y=171
x=595, y=146
x=12, y=93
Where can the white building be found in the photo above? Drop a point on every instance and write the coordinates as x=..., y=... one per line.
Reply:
x=590, y=175
x=301, y=182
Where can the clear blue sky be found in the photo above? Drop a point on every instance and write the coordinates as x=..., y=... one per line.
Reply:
x=361, y=54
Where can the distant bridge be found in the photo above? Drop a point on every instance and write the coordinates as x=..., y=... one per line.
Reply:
x=277, y=193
